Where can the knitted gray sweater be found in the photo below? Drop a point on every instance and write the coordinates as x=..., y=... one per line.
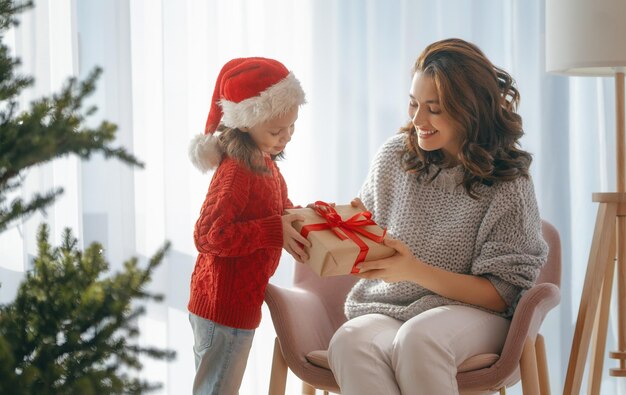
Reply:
x=497, y=236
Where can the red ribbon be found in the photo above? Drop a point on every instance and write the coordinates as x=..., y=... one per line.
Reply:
x=335, y=223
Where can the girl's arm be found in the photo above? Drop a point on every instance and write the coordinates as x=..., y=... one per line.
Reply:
x=220, y=230
x=403, y=266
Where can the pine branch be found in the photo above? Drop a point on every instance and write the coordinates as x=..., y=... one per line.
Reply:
x=10, y=84
x=55, y=127
x=8, y=10
x=70, y=329
x=19, y=209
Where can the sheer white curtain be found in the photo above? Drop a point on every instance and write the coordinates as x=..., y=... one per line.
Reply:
x=160, y=59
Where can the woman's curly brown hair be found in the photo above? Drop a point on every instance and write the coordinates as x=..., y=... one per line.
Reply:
x=482, y=100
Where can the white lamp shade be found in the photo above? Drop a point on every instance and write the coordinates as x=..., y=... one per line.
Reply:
x=586, y=37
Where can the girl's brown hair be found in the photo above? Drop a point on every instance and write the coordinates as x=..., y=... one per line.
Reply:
x=482, y=100
x=240, y=146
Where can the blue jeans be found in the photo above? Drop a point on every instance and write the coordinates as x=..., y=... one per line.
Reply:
x=221, y=355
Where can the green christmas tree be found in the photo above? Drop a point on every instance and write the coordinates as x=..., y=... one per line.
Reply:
x=53, y=127
x=70, y=328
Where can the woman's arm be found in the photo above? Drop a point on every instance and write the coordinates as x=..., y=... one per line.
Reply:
x=403, y=266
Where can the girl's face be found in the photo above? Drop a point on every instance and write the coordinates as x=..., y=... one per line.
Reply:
x=273, y=135
x=435, y=128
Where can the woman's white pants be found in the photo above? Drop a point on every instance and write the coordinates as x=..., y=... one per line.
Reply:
x=376, y=354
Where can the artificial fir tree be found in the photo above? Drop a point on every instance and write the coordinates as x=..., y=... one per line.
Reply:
x=69, y=329
x=71, y=326
x=53, y=127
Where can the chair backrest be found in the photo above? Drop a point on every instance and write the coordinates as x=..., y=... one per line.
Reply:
x=332, y=291
x=525, y=325
x=551, y=271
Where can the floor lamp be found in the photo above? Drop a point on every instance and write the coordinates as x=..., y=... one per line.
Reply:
x=588, y=38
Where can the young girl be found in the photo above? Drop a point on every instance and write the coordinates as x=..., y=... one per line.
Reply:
x=241, y=229
x=454, y=189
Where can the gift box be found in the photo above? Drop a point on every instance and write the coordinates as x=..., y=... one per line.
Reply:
x=341, y=237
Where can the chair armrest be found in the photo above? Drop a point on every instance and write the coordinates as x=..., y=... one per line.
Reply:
x=531, y=310
x=529, y=314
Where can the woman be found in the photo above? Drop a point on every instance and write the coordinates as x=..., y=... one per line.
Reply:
x=453, y=188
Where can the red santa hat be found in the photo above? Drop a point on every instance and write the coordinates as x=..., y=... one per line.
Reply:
x=248, y=91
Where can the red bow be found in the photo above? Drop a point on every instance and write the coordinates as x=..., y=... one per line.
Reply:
x=334, y=222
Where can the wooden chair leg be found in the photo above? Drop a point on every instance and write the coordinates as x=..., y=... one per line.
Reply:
x=528, y=369
x=307, y=389
x=278, y=377
x=542, y=365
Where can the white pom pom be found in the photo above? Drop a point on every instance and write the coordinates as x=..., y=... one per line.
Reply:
x=204, y=152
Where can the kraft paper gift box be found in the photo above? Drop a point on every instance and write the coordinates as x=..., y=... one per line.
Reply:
x=341, y=237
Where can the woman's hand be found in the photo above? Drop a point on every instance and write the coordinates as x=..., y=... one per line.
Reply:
x=356, y=202
x=293, y=241
x=402, y=266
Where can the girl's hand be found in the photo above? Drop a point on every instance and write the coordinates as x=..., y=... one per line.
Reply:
x=292, y=239
x=403, y=266
x=356, y=202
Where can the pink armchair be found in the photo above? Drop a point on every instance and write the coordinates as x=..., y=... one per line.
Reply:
x=307, y=315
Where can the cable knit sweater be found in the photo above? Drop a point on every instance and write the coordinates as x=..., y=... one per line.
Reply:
x=497, y=236
x=239, y=238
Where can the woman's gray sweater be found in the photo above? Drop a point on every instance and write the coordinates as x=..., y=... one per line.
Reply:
x=498, y=236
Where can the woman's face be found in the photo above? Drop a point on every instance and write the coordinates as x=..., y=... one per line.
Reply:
x=435, y=128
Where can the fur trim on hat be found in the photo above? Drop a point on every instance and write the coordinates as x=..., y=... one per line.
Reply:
x=205, y=152
x=272, y=102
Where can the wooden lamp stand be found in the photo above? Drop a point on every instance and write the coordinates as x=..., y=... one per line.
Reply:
x=608, y=248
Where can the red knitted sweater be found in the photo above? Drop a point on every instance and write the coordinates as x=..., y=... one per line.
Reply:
x=239, y=238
